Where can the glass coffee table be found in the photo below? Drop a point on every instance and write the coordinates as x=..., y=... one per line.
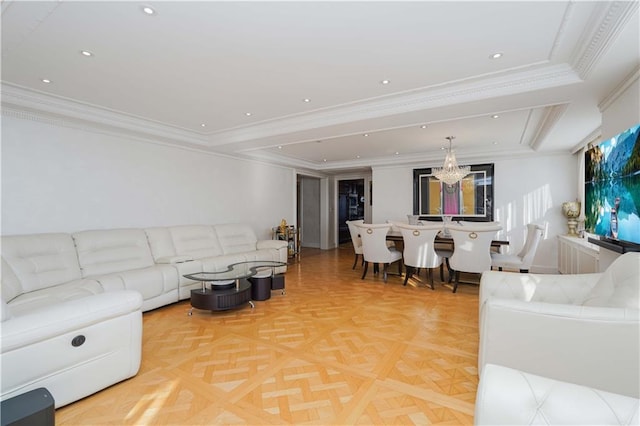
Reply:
x=228, y=289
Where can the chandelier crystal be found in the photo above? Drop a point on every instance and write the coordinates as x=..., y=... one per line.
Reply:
x=450, y=173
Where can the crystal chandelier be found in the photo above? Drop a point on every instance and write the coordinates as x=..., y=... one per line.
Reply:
x=450, y=173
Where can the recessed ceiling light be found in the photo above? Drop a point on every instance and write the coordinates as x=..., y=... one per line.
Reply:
x=325, y=160
x=306, y=100
x=148, y=10
x=247, y=114
x=279, y=146
x=424, y=126
x=495, y=143
x=397, y=153
x=365, y=135
x=496, y=55
x=86, y=53
x=46, y=80
x=495, y=116
x=203, y=125
x=357, y=156
x=385, y=82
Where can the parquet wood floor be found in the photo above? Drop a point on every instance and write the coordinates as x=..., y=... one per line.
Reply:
x=334, y=350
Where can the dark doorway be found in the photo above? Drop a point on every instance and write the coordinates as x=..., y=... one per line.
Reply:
x=350, y=205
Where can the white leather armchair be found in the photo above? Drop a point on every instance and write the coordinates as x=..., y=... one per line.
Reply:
x=583, y=329
x=510, y=397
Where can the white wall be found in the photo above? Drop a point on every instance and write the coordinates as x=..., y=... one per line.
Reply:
x=59, y=179
x=623, y=112
x=525, y=190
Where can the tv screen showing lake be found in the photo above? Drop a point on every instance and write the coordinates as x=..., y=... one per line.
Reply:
x=612, y=187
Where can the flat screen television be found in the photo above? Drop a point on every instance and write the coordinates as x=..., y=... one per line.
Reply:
x=612, y=189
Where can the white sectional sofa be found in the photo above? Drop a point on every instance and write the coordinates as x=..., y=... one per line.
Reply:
x=72, y=304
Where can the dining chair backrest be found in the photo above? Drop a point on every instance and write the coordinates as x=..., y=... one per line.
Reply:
x=419, y=251
x=472, y=247
x=534, y=235
x=355, y=234
x=374, y=242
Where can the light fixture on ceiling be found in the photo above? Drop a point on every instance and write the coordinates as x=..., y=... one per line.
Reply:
x=495, y=116
x=306, y=100
x=496, y=55
x=385, y=82
x=148, y=10
x=46, y=80
x=86, y=53
x=450, y=173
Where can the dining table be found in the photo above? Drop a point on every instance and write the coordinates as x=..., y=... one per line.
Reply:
x=396, y=236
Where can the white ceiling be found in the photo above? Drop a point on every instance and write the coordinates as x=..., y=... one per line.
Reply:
x=160, y=77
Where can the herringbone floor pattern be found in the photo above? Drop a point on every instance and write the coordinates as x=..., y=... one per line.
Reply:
x=334, y=350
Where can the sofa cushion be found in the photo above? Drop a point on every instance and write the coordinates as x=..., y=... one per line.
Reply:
x=161, y=243
x=198, y=241
x=107, y=251
x=35, y=300
x=619, y=285
x=236, y=238
x=38, y=261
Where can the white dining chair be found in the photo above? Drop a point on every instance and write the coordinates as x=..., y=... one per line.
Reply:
x=375, y=249
x=355, y=239
x=419, y=249
x=523, y=260
x=471, y=249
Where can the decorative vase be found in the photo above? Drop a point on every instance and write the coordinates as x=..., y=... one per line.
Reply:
x=571, y=210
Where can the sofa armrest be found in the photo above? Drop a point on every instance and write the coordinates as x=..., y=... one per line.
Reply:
x=271, y=244
x=510, y=397
x=556, y=288
x=61, y=318
x=592, y=346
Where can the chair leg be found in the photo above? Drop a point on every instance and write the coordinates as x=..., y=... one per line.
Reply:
x=457, y=280
x=384, y=272
x=408, y=273
x=366, y=266
x=524, y=271
x=499, y=268
x=400, y=263
x=442, y=272
x=355, y=262
x=376, y=268
x=431, y=278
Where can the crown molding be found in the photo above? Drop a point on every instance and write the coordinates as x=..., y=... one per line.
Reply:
x=619, y=90
x=551, y=117
x=603, y=28
x=35, y=105
x=535, y=78
x=594, y=136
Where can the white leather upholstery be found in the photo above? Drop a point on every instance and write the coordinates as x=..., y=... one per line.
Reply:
x=96, y=283
x=523, y=260
x=374, y=246
x=510, y=397
x=39, y=261
x=419, y=250
x=355, y=234
x=583, y=329
x=37, y=350
x=472, y=246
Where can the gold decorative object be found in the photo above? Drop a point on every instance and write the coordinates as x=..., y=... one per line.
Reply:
x=571, y=210
x=283, y=226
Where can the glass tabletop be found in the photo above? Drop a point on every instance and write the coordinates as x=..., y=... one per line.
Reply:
x=236, y=271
